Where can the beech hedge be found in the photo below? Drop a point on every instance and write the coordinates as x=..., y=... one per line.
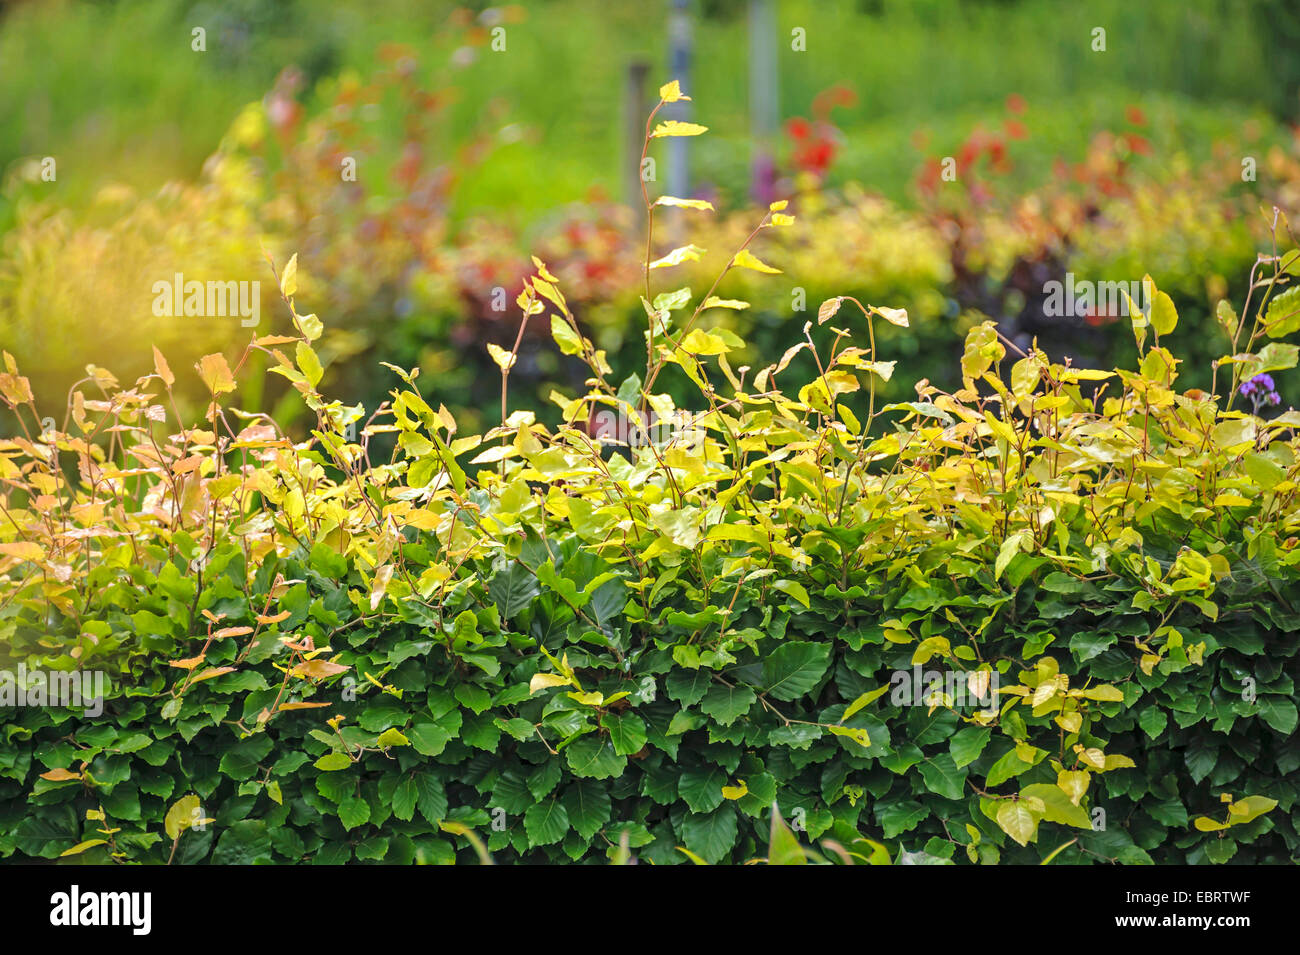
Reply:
x=1047, y=617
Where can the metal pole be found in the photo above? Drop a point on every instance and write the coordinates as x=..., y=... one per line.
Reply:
x=679, y=40
x=634, y=109
x=764, y=89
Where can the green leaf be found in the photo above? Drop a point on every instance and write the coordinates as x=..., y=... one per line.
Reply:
x=289, y=277
x=899, y=816
x=1012, y=546
x=701, y=789
x=943, y=776
x=309, y=364
x=711, y=836
x=1227, y=317
x=688, y=686
x=794, y=668
x=431, y=797
x=855, y=733
x=242, y=843
x=519, y=728
x=430, y=738
x=81, y=847
x=45, y=831
x=1086, y=645
x=473, y=697
x=354, y=811
x=405, y=797
x=626, y=731
x=1220, y=851
x=967, y=744
x=794, y=589
x=1275, y=356
x=1153, y=721
x=588, y=805
x=863, y=700
x=481, y=732
x=374, y=849
x=594, y=757
x=1005, y=768
x=513, y=589
x=726, y=704
x=546, y=822
x=1279, y=713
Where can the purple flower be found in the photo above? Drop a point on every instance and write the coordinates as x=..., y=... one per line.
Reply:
x=1262, y=392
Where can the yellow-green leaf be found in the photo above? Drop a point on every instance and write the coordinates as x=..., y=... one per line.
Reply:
x=81, y=847
x=215, y=373
x=854, y=733
x=541, y=681
x=162, y=369
x=309, y=364
x=733, y=303
x=700, y=342
x=863, y=700
x=23, y=550
x=672, y=127
x=1164, y=317
x=309, y=325
x=672, y=92
x=181, y=815
x=289, y=277
x=505, y=360
x=565, y=336
x=686, y=253
x=895, y=316
x=1017, y=821
x=747, y=260
x=684, y=203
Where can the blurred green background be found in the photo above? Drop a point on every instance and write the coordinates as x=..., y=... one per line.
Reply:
x=115, y=88
x=472, y=157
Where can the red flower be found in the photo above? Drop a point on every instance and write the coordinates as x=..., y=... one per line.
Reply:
x=799, y=128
